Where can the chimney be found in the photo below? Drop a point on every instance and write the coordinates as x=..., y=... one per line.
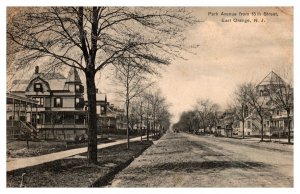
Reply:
x=36, y=70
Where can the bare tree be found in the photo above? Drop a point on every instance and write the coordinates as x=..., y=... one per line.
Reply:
x=132, y=81
x=165, y=119
x=258, y=101
x=90, y=38
x=147, y=108
x=157, y=101
x=206, y=110
x=186, y=121
x=240, y=105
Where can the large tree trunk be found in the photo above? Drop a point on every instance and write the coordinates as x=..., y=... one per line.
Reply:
x=92, y=117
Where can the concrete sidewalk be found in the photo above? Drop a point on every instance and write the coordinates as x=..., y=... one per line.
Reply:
x=32, y=161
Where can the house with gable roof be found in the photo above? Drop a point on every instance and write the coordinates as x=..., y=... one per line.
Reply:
x=275, y=120
x=60, y=112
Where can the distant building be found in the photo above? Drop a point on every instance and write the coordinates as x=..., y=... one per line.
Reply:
x=225, y=124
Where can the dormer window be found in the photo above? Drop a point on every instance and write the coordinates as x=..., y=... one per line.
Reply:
x=38, y=87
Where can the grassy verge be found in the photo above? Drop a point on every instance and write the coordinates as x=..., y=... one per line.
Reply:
x=74, y=171
x=18, y=149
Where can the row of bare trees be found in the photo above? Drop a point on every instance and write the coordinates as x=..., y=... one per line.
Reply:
x=203, y=116
x=135, y=87
x=152, y=110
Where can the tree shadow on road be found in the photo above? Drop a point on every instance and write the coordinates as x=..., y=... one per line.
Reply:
x=196, y=166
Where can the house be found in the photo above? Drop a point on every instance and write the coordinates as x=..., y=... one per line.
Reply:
x=275, y=122
x=225, y=124
x=57, y=107
x=60, y=110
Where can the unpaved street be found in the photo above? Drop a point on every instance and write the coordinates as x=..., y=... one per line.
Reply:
x=186, y=160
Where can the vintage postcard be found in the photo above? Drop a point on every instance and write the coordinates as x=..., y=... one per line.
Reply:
x=150, y=96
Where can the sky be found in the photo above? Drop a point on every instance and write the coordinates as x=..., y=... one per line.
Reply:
x=229, y=53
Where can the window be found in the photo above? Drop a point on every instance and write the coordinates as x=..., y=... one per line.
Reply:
x=38, y=87
x=57, y=102
x=103, y=110
x=79, y=103
x=268, y=123
x=40, y=101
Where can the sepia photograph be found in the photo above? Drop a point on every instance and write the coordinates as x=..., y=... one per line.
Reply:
x=149, y=96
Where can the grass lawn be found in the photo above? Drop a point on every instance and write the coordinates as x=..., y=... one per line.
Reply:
x=18, y=148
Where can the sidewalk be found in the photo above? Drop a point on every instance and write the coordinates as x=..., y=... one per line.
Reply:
x=32, y=161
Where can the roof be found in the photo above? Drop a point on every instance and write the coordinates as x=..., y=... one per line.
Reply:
x=19, y=85
x=57, y=84
x=50, y=76
x=56, y=80
x=10, y=97
x=272, y=78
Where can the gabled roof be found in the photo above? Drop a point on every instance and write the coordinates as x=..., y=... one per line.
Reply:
x=56, y=81
x=272, y=78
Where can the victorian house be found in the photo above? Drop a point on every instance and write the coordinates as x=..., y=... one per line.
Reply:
x=59, y=104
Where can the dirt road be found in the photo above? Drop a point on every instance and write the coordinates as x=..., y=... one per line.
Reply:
x=186, y=160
